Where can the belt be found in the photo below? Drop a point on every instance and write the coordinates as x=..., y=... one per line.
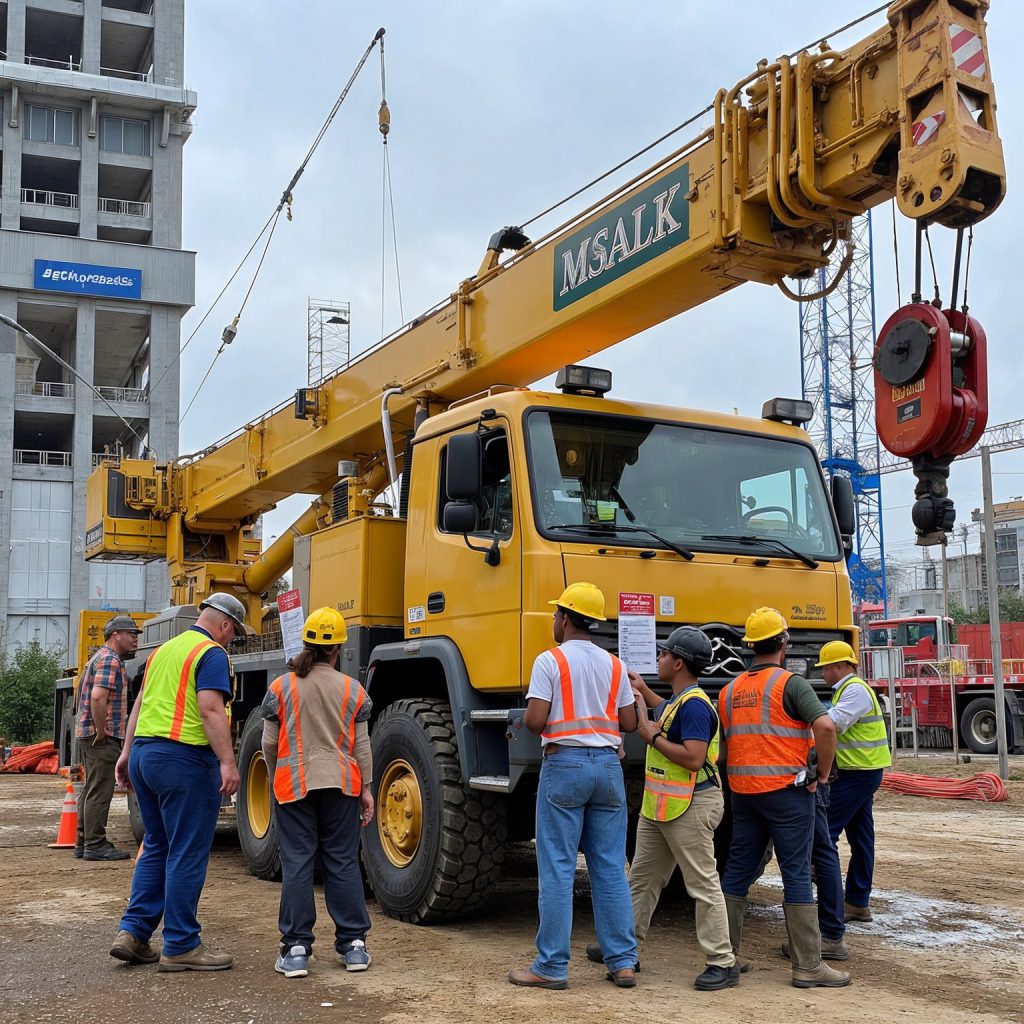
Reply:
x=553, y=748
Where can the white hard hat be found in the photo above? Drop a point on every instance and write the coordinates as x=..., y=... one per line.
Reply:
x=229, y=606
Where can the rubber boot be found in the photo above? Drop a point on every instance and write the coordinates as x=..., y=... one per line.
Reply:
x=809, y=970
x=831, y=949
x=736, y=910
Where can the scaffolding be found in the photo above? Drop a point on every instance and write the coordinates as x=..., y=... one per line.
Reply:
x=837, y=340
x=328, y=339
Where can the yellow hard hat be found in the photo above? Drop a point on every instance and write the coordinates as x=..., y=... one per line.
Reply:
x=834, y=652
x=584, y=599
x=324, y=627
x=763, y=624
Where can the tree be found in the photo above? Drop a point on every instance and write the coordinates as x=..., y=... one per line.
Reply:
x=26, y=693
x=1011, y=609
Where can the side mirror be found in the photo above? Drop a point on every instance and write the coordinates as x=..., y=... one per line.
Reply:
x=462, y=478
x=460, y=517
x=842, y=502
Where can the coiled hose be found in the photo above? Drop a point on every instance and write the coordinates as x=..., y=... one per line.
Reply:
x=985, y=786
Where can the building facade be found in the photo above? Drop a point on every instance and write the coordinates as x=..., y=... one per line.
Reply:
x=94, y=118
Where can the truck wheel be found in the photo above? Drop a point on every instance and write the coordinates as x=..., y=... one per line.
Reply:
x=135, y=818
x=978, y=725
x=436, y=847
x=254, y=814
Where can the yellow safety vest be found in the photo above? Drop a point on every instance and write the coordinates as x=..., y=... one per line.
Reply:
x=668, y=787
x=170, y=708
x=864, y=745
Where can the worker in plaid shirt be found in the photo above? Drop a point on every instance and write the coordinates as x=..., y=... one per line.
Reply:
x=102, y=715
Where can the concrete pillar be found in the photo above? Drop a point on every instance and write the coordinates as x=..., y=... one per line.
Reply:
x=92, y=24
x=164, y=391
x=169, y=42
x=9, y=307
x=10, y=202
x=88, y=174
x=167, y=186
x=16, y=31
x=81, y=447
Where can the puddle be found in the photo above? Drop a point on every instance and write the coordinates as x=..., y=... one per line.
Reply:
x=905, y=920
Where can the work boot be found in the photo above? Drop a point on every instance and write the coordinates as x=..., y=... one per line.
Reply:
x=108, y=851
x=594, y=955
x=809, y=970
x=736, y=910
x=831, y=949
x=852, y=913
x=131, y=950
x=198, y=959
x=714, y=978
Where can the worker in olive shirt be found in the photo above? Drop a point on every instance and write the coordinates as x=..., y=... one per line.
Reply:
x=102, y=714
x=317, y=747
x=862, y=753
x=179, y=759
x=682, y=804
x=771, y=719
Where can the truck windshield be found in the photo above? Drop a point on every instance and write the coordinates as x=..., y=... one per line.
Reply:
x=692, y=485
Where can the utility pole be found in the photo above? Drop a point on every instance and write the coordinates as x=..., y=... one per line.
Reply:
x=963, y=570
x=988, y=511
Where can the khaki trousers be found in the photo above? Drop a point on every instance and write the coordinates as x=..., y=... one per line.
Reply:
x=686, y=841
x=94, y=800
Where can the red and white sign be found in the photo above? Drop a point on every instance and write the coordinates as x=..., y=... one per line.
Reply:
x=968, y=54
x=636, y=604
x=289, y=606
x=924, y=129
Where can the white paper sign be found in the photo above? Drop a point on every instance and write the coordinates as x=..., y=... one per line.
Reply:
x=636, y=632
x=289, y=606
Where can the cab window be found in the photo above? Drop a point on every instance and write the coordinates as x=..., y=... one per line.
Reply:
x=494, y=505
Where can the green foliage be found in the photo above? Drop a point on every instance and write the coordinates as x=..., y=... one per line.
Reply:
x=26, y=693
x=1011, y=609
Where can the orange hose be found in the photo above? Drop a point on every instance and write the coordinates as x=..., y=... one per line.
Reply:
x=986, y=786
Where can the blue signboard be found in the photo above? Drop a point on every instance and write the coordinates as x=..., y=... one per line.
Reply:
x=87, y=279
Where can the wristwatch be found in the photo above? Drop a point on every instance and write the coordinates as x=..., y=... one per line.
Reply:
x=654, y=738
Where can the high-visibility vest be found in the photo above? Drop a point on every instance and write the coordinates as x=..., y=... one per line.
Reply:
x=569, y=726
x=864, y=744
x=290, y=773
x=668, y=787
x=765, y=748
x=170, y=707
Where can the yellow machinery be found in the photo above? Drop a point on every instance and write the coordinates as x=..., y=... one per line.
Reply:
x=507, y=494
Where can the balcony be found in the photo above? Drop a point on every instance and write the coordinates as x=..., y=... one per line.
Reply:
x=125, y=207
x=131, y=76
x=134, y=396
x=65, y=64
x=37, y=457
x=98, y=458
x=47, y=197
x=43, y=389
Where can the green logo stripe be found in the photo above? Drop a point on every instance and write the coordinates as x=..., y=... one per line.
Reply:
x=627, y=236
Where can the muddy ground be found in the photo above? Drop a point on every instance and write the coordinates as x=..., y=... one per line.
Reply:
x=945, y=946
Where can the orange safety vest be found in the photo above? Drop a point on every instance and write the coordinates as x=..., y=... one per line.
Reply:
x=765, y=748
x=570, y=726
x=290, y=773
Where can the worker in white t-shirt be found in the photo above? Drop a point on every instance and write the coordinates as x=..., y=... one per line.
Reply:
x=580, y=702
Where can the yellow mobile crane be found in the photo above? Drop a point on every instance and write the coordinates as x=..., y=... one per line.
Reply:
x=507, y=494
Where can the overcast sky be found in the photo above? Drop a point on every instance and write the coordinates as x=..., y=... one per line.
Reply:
x=499, y=109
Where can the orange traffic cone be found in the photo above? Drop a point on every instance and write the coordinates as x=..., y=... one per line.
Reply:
x=68, y=829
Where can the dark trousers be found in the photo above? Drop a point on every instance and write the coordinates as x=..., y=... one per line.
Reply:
x=828, y=873
x=784, y=816
x=324, y=823
x=851, y=810
x=94, y=799
x=178, y=790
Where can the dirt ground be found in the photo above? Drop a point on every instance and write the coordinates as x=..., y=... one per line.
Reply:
x=945, y=946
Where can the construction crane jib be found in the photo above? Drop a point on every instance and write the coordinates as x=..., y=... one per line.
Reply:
x=764, y=193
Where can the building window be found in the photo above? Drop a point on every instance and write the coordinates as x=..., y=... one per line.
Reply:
x=124, y=135
x=49, y=124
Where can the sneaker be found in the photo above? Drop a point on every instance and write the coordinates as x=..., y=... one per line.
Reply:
x=129, y=949
x=294, y=963
x=106, y=852
x=355, y=956
x=714, y=978
x=594, y=955
x=198, y=959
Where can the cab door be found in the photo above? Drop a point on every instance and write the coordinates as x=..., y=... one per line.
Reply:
x=463, y=596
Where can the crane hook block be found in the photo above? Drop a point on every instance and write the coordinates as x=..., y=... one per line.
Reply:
x=931, y=382
x=384, y=119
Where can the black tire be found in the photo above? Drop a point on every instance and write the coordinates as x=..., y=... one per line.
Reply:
x=135, y=817
x=254, y=807
x=978, y=726
x=454, y=864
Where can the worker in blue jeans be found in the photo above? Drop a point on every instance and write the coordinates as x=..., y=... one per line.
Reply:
x=579, y=701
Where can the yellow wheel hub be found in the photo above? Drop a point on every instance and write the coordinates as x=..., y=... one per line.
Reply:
x=400, y=814
x=257, y=796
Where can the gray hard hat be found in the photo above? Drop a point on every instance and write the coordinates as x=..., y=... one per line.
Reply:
x=229, y=606
x=691, y=645
x=120, y=624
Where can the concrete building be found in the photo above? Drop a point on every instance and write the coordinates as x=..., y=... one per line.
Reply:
x=94, y=117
